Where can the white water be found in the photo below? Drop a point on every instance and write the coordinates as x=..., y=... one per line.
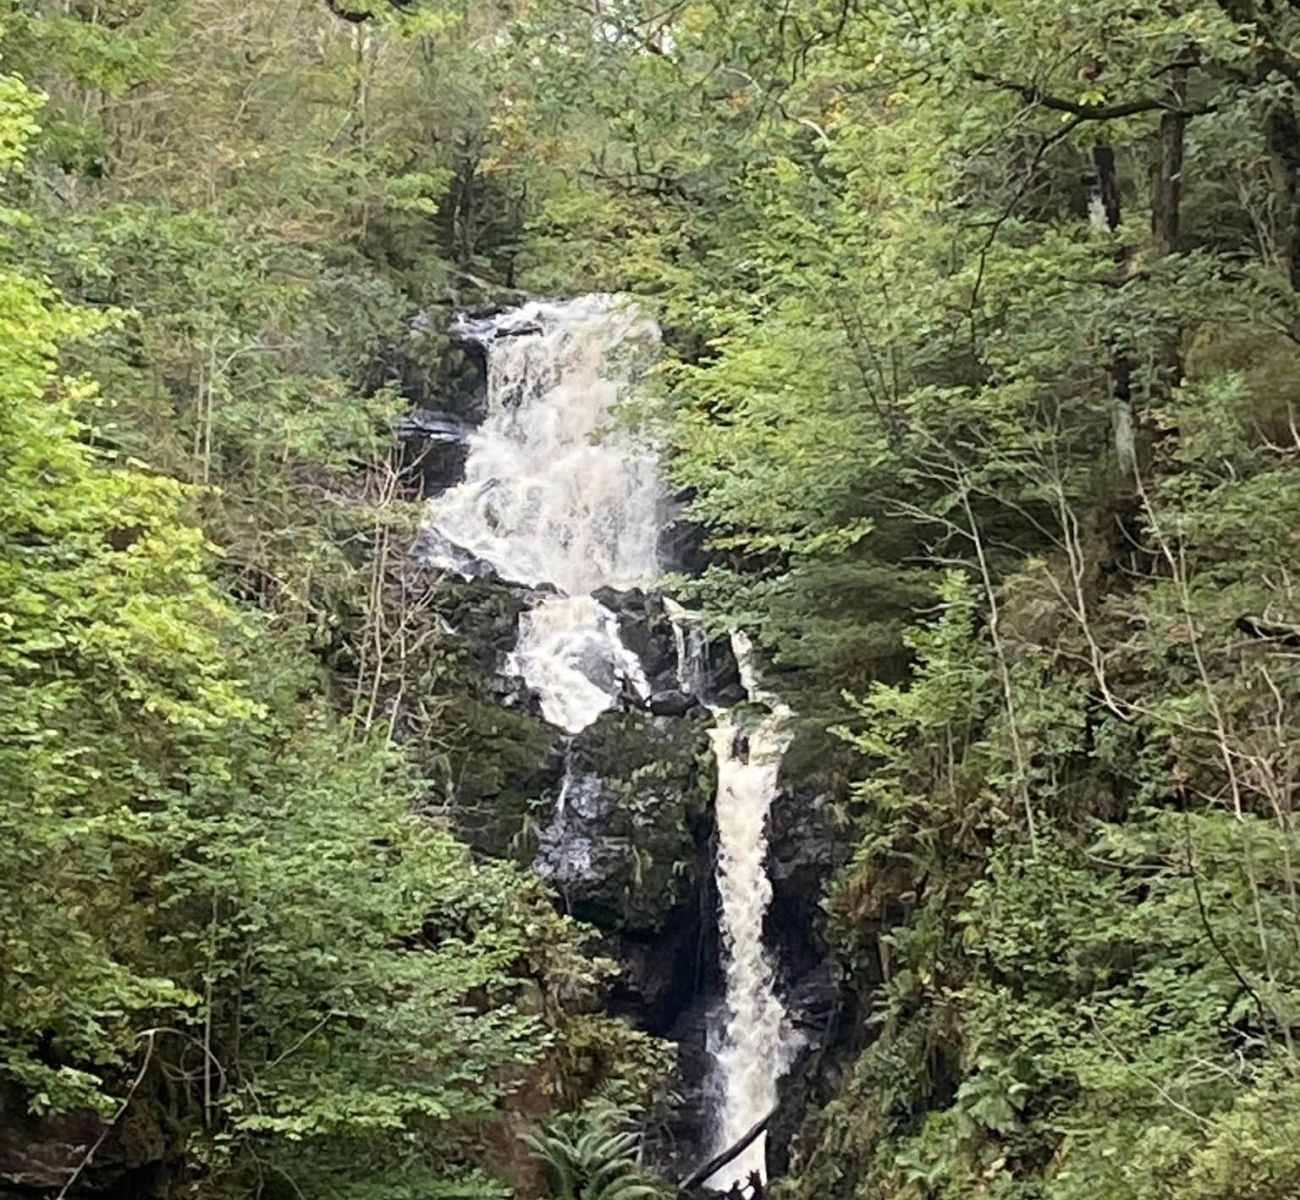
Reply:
x=758, y=1042
x=555, y=495
x=566, y=851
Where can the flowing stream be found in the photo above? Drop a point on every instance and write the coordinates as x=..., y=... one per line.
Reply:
x=558, y=497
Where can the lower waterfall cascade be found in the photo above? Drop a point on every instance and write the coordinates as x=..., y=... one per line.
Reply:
x=757, y=1044
x=557, y=497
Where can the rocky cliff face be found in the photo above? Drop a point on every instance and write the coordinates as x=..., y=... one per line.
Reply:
x=618, y=818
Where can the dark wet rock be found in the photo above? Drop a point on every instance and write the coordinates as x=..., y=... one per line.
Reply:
x=659, y=976
x=722, y=686
x=476, y=732
x=434, y=549
x=498, y=763
x=684, y=1140
x=682, y=547
x=574, y=852
x=439, y=426
x=479, y=619
x=825, y=1012
x=623, y=849
x=430, y=371
x=499, y=777
x=434, y=448
x=804, y=844
x=478, y=330
x=645, y=628
x=804, y=849
x=629, y=849
x=42, y=1153
x=520, y=329
x=673, y=703
x=512, y=691
x=814, y=1002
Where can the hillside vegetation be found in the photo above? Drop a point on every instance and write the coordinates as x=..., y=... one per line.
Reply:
x=981, y=335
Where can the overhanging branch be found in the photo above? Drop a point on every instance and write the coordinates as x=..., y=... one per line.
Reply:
x=715, y=1164
x=1035, y=95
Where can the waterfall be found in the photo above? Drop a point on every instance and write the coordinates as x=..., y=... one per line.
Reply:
x=557, y=496
x=758, y=1042
x=560, y=499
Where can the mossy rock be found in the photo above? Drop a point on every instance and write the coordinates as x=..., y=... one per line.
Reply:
x=503, y=772
x=480, y=622
x=493, y=766
x=626, y=852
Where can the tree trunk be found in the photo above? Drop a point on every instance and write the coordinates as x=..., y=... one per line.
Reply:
x=1103, y=159
x=1121, y=366
x=718, y=1161
x=1166, y=228
x=1167, y=203
x=1284, y=145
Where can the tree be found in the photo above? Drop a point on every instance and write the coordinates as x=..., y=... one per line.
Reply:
x=959, y=287
x=226, y=932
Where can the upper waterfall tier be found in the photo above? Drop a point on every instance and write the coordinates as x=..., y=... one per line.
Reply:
x=555, y=492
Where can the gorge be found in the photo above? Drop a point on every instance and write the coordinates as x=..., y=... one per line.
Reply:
x=559, y=495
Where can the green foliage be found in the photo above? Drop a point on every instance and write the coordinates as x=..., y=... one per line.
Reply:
x=114, y=638
x=984, y=303
x=589, y=1157
x=224, y=929
x=999, y=297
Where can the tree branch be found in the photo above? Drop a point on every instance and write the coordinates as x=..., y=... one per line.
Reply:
x=715, y=1164
x=1032, y=94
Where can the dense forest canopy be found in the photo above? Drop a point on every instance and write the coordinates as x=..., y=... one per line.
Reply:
x=980, y=331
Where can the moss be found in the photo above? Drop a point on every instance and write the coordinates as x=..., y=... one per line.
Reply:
x=502, y=776
x=657, y=780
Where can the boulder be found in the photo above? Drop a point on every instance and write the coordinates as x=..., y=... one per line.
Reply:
x=500, y=777
x=622, y=846
x=673, y=702
x=646, y=628
x=42, y=1153
x=721, y=686
x=437, y=552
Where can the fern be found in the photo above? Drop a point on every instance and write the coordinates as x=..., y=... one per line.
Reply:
x=589, y=1157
